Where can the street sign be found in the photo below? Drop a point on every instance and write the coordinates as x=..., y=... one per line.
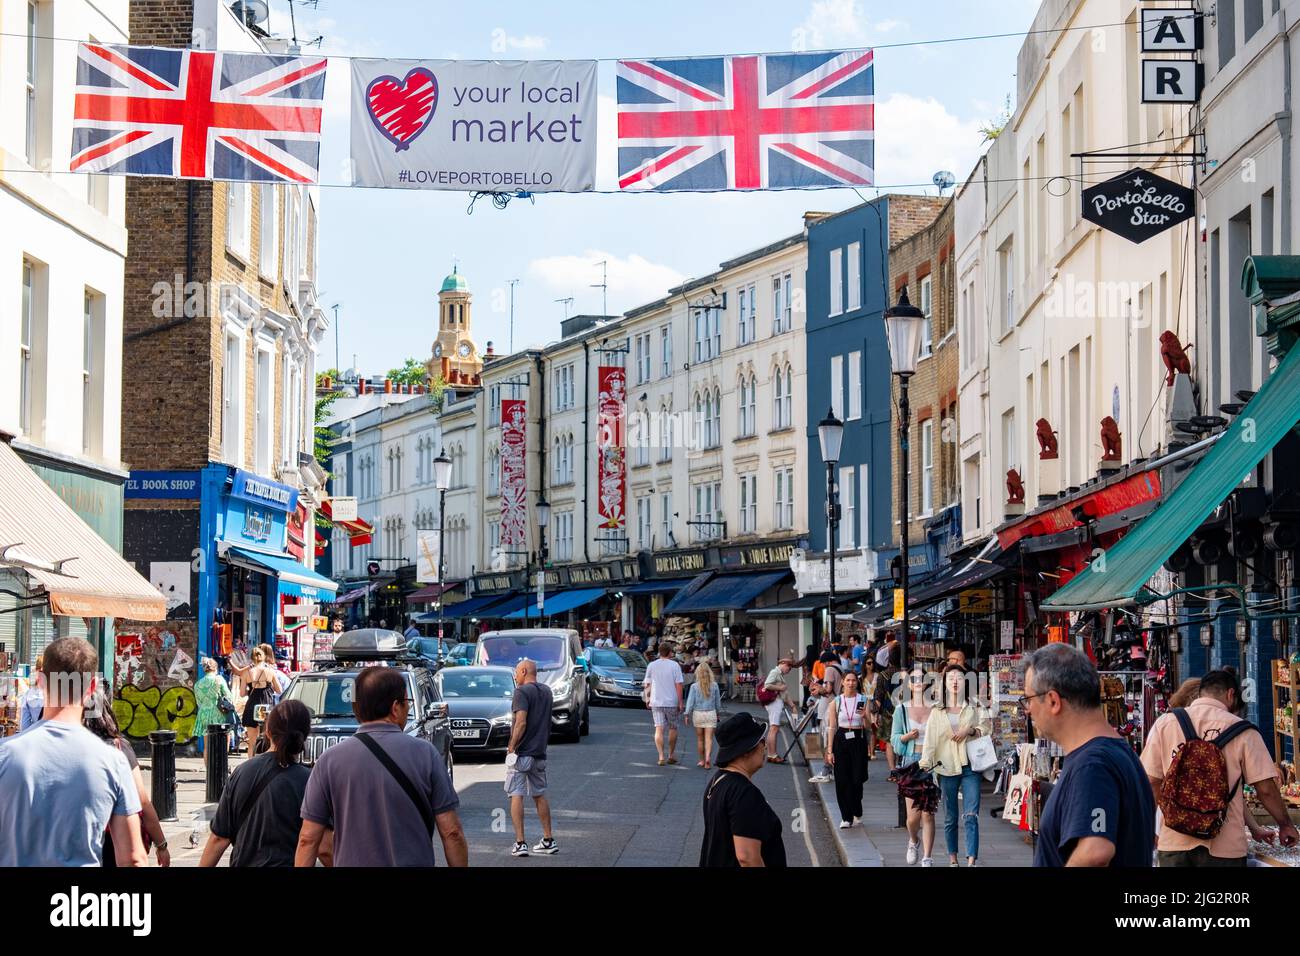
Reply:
x=344, y=509
x=1172, y=30
x=541, y=591
x=898, y=604
x=1138, y=204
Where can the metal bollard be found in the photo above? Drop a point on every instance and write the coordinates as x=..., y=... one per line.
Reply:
x=163, y=778
x=216, y=760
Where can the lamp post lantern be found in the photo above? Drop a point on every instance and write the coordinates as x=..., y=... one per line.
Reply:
x=830, y=433
x=441, y=481
x=904, y=326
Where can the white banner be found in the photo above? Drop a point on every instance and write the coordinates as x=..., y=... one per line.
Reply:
x=474, y=124
x=426, y=562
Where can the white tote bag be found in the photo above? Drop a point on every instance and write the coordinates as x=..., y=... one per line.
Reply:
x=981, y=754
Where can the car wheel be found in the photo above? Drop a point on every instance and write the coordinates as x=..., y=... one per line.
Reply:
x=451, y=768
x=584, y=728
x=575, y=735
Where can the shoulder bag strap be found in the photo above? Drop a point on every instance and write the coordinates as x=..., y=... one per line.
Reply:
x=1228, y=736
x=258, y=789
x=403, y=781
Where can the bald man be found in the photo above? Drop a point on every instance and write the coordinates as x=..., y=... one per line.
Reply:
x=526, y=756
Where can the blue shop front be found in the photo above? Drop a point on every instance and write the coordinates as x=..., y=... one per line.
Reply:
x=255, y=591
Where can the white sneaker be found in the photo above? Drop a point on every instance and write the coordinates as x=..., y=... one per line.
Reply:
x=845, y=824
x=927, y=861
x=913, y=851
x=547, y=846
x=820, y=778
x=972, y=862
x=521, y=849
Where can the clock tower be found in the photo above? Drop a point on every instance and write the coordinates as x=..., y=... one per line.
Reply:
x=455, y=356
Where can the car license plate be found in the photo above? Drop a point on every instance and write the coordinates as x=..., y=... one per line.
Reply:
x=466, y=734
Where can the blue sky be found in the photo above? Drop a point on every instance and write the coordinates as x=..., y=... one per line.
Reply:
x=384, y=252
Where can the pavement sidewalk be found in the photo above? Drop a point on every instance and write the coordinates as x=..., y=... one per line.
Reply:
x=879, y=841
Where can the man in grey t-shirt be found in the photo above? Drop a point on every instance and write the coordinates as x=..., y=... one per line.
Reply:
x=526, y=756
x=352, y=792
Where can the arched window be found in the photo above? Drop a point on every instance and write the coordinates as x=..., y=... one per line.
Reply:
x=494, y=472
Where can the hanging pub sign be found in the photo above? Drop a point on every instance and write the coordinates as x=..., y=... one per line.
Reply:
x=1172, y=81
x=1171, y=30
x=1138, y=204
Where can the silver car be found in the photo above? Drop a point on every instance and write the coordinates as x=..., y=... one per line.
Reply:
x=617, y=675
x=558, y=655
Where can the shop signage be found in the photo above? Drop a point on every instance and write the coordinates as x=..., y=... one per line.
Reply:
x=301, y=610
x=976, y=601
x=344, y=509
x=898, y=604
x=1138, y=204
x=776, y=554
x=257, y=525
x=1132, y=491
x=162, y=484
x=554, y=578
x=263, y=491
x=678, y=563
x=1172, y=30
x=853, y=572
x=590, y=574
x=1056, y=635
x=1172, y=81
x=626, y=570
x=1008, y=635
x=491, y=583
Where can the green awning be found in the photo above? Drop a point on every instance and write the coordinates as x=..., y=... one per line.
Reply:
x=1132, y=562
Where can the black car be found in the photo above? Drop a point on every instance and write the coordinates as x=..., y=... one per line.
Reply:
x=478, y=705
x=327, y=692
x=617, y=675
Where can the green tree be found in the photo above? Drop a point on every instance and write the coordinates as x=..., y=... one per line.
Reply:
x=412, y=372
x=993, y=128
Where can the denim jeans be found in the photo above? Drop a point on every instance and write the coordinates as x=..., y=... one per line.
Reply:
x=969, y=785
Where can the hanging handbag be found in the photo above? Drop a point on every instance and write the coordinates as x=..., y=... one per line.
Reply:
x=981, y=755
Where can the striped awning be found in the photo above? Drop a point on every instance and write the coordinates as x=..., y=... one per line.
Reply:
x=359, y=532
x=80, y=573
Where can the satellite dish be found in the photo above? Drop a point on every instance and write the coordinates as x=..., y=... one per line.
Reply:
x=944, y=180
x=251, y=12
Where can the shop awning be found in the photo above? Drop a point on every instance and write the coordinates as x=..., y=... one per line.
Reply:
x=1128, y=565
x=666, y=586
x=283, y=566
x=963, y=575
x=878, y=613
x=724, y=592
x=475, y=606
x=558, y=603
x=356, y=594
x=431, y=592
x=359, y=532
x=77, y=569
x=810, y=605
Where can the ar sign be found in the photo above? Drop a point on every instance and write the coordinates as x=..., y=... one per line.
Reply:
x=1172, y=30
x=1171, y=81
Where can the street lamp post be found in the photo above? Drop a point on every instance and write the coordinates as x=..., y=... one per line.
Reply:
x=543, y=519
x=830, y=433
x=904, y=325
x=442, y=481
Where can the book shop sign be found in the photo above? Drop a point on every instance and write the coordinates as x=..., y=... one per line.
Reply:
x=1138, y=204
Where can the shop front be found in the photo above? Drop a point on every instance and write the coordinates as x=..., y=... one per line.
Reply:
x=59, y=575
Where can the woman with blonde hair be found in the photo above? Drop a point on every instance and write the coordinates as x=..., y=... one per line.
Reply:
x=702, y=705
x=262, y=681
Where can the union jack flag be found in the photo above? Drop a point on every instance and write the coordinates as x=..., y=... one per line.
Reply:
x=787, y=121
x=192, y=114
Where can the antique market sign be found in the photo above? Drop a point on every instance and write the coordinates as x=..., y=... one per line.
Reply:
x=1138, y=205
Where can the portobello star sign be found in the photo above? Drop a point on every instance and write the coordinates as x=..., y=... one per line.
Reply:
x=1138, y=204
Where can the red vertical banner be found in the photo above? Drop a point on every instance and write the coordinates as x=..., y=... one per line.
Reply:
x=611, y=447
x=514, y=477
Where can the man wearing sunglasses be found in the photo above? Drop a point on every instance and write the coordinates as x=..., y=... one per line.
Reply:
x=1101, y=811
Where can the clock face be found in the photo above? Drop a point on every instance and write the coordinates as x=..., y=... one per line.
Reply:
x=465, y=349
x=437, y=350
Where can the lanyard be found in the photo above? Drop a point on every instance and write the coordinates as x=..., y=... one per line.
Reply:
x=850, y=712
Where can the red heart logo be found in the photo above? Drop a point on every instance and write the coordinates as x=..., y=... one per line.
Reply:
x=402, y=110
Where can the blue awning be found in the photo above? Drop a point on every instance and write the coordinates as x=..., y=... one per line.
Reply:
x=476, y=605
x=658, y=587
x=557, y=603
x=283, y=566
x=724, y=592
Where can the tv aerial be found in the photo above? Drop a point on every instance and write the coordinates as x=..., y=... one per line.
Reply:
x=251, y=12
x=944, y=180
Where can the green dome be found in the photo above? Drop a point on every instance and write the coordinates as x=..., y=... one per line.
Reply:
x=454, y=282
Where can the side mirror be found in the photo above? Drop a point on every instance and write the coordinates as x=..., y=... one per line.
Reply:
x=437, y=711
x=580, y=665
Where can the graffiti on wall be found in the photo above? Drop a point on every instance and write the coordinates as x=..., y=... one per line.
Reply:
x=153, y=680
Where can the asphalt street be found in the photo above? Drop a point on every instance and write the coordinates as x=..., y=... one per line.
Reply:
x=614, y=806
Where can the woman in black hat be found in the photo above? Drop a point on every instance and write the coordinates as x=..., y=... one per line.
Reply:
x=740, y=828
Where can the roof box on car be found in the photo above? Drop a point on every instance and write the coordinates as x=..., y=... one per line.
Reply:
x=369, y=644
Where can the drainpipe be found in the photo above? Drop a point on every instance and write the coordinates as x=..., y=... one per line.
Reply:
x=586, y=443
x=541, y=423
x=1284, y=127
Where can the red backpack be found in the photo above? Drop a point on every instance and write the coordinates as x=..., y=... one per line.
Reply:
x=1194, y=796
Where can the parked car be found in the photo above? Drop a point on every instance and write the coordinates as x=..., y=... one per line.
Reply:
x=461, y=654
x=558, y=655
x=616, y=675
x=327, y=692
x=478, y=705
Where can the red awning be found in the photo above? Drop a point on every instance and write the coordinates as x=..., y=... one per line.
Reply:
x=359, y=532
x=431, y=592
x=1110, y=499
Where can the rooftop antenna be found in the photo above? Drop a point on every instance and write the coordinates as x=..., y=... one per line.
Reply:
x=512, y=283
x=603, y=286
x=944, y=180
x=567, y=302
x=293, y=27
x=335, y=307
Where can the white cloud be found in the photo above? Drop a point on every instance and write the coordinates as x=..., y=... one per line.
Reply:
x=839, y=24
x=633, y=280
x=915, y=138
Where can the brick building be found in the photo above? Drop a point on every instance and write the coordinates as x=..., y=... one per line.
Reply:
x=924, y=265
x=221, y=330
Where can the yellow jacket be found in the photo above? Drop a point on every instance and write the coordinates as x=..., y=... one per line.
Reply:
x=941, y=752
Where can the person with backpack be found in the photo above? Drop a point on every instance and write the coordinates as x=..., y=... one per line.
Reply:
x=1197, y=758
x=260, y=808
x=1100, y=811
x=382, y=793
